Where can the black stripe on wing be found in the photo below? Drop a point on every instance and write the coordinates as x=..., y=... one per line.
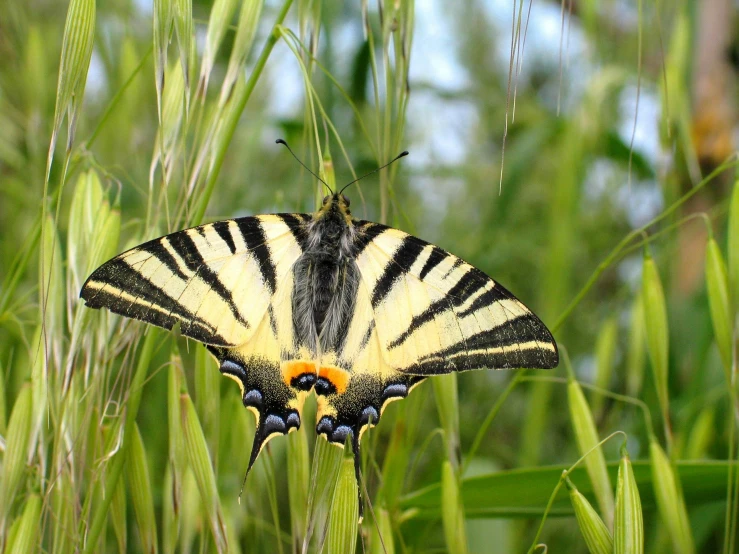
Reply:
x=437, y=256
x=224, y=231
x=156, y=248
x=366, y=232
x=256, y=241
x=147, y=302
x=400, y=264
x=468, y=284
x=526, y=340
x=297, y=225
x=188, y=251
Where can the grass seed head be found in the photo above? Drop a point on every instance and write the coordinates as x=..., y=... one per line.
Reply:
x=628, y=527
x=719, y=301
x=670, y=502
x=655, y=321
x=587, y=438
x=597, y=536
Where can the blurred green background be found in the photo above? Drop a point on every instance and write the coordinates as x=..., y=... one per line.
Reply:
x=554, y=146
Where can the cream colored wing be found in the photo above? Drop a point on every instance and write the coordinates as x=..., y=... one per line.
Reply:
x=435, y=313
x=216, y=280
x=419, y=311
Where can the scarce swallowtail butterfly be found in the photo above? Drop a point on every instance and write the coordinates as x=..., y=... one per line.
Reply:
x=355, y=311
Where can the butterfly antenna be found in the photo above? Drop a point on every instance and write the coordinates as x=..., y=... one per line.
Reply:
x=395, y=159
x=281, y=141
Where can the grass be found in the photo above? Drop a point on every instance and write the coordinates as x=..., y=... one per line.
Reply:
x=116, y=437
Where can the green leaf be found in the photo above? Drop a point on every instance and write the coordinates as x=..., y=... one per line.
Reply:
x=525, y=492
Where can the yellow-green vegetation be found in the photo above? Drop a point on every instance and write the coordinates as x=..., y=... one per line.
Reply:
x=580, y=172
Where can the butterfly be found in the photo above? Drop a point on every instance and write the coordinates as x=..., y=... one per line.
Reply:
x=355, y=311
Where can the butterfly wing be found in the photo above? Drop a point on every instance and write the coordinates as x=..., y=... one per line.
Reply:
x=422, y=311
x=216, y=280
x=228, y=285
x=436, y=313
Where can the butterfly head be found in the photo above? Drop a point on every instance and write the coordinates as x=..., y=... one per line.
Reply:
x=336, y=206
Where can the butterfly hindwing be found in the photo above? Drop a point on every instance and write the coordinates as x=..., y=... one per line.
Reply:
x=262, y=368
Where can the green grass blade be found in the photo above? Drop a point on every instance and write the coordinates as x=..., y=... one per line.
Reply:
x=113, y=474
x=140, y=491
x=16, y=451
x=342, y=530
x=24, y=536
x=200, y=462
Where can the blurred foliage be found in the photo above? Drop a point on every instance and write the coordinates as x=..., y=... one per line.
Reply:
x=553, y=146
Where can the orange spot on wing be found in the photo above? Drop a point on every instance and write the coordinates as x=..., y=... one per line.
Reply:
x=336, y=376
x=293, y=369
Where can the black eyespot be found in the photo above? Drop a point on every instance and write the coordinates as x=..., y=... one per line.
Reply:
x=253, y=398
x=325, y=426
x=293, y=420
x=304, y=381
x=395, y=390
x=340, y=433
x=274, y=424
x=324, y=387
x=346, y=200
x=369, y=415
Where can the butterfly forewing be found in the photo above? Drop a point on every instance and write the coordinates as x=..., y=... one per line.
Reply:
x=216, y=280
x=436, y=313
